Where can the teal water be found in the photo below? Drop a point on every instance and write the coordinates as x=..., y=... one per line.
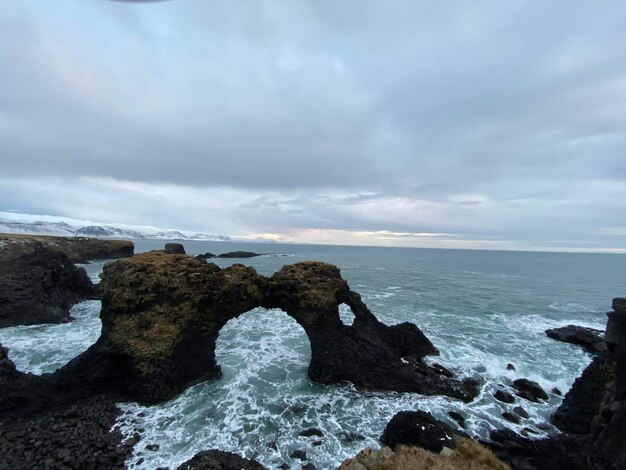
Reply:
x=482, y=309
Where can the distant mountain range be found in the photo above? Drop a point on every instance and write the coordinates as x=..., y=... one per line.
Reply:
x=106, y=231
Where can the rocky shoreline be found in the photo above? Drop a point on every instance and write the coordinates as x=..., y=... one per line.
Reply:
x=40, y=282
x=162, y=312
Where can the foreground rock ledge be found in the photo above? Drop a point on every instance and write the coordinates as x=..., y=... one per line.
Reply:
x=162, y=313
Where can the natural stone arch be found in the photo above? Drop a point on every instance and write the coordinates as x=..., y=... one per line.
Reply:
x=161, y=315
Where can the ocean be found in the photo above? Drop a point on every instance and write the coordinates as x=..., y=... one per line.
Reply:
x=482, y=309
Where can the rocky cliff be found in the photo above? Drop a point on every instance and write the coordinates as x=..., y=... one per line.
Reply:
x=80, y=249
x=38, y=284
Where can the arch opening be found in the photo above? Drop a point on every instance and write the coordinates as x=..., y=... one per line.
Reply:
x=267, y=345
x=346, y=315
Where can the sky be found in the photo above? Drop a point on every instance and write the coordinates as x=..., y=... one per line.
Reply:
x=460, y=124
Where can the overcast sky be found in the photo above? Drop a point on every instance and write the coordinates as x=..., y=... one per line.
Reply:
x=491, y=124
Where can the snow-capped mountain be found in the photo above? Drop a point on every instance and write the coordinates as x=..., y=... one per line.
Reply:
x=101, y=231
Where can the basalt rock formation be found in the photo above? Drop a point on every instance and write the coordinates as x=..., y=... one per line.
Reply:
x=162, y=313
x=80, y=249
x=38, y=284
x=590, y=339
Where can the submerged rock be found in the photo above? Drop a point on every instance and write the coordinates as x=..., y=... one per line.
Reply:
x=161, y=315
x=592, y=340
x=39, y=283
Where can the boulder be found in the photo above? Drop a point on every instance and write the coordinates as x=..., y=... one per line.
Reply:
x=420, y=429
x=39, y=284
x=504, y=397
x=161, y=315
x=529, y=390
x=219, y=460
x=592, y=340
x=513, y=418
x=519, y=411
x=174, y=249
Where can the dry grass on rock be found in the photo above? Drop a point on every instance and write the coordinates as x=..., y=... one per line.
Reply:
x=468, y=455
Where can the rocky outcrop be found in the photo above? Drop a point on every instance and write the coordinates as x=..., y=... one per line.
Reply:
x=560, y=452
x=590, y=339
x=39, y=284
x=238, y=254
x=419, y=429
x=205, y=256
x=80, y=249
x=219, y=460
x=582, y=403
x=161, y=315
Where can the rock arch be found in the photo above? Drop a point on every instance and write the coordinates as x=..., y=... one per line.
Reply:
x=162, y=313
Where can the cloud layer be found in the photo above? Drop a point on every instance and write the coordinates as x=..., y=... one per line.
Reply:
x=491, y=123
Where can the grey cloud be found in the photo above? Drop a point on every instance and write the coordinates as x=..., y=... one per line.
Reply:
x=340, y=115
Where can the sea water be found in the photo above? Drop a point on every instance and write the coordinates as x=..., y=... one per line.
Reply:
x=482, y=309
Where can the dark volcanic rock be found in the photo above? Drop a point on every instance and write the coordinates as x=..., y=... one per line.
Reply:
x=420, y=429
x=582, y=403
x=69, y=436
x=38, y=283
x=174, y=249
x=592, y=416
x=529, y=390
x=458, y=417
x=592, y=340
x=518, y=410
x=239, y=254
x=513, y=418
x=298, y=454
x=504, y=397
x=311, y=432
x=80, y=249
x=561, y=452
x=205, y=256
x=161, y=315
x=619, y=304
x=219, y=460
x=7, y=367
